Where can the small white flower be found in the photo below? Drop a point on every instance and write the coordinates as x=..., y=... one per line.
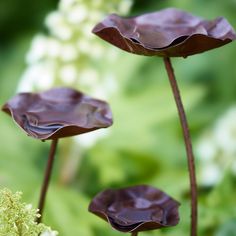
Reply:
x=26, y=83
x=54, y=19
x=38, y=49
x=67, y=4
x=68, y=74
x=53, y=48
x=40, y=75
x=68, y=52
x=63, y=32
x=78, y=14
x=46, y=81
x=56, y=23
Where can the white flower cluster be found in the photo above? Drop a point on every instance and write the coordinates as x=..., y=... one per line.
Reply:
x=217, y=149
x=70, y=54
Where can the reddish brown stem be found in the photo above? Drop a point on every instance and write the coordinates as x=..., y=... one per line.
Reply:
x=46, y=180
x=134, y=234
x=188, y=144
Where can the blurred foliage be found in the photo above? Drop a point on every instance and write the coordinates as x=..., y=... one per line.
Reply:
x=16, y=19
x=145, y=144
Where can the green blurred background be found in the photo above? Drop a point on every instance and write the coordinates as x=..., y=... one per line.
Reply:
x=145, y=144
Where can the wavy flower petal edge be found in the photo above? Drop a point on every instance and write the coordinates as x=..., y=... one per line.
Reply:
x=58, y=113
x=167, y=33
x=137, y=208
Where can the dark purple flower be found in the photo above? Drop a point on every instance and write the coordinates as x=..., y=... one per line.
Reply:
x=168, y=33
x=135, y=209
x=58, y=113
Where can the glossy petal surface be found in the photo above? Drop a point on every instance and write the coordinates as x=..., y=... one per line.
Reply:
x=137, y=208
x=57, y=113
x=168, y=33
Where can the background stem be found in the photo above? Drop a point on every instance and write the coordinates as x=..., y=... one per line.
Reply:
x=134, y=234
x=47, y=177
x=188, y=144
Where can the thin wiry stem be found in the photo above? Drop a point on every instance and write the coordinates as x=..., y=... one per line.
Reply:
x=47, y=177
x=188, y=145
x=134, y=234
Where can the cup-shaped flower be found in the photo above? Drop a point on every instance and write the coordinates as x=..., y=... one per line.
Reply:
x=135, y=209
x=58, y=113
x=168, y=33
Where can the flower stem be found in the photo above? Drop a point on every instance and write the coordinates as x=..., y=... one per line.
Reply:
x=47, y=177
x=134, y=234
x=188, y=144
